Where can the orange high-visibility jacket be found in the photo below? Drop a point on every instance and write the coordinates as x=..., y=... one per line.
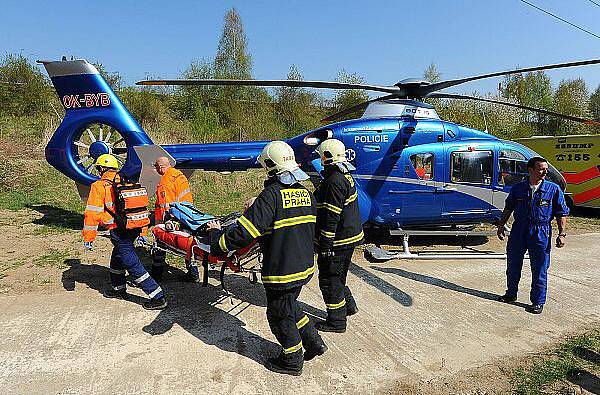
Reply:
x=173, y=187
x=102, y=196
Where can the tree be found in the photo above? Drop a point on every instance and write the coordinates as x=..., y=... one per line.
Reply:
x=571, y=98
x=23, y=88
x=594, y=106
x=188, y=99
x=534, y=90
x=432, y=74
x=296, y=107
x=349, y=97
x=232, y=60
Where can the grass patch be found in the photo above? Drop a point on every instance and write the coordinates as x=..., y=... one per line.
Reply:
x=220, y=194
x=28, y=183
x=29, y=131
x=552, y=373
x=11, y=265
x=54, y=258
x=46, y=230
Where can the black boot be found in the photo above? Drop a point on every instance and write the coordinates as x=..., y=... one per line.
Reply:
x=155, y=304
x=325, y=326
x=506, y=298
x=115, y=294
x=315, y=351
x=279, y=365
x=312, y=342
x=535, y=309
x=351, y=309
x=190, y=277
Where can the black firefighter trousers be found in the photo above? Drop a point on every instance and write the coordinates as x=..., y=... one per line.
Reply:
x=338, y=299
x=290, y=325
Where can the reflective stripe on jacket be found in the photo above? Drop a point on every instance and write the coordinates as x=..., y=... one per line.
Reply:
x=283, y=219
x=338, y=216
x=102, y=196
x=173, y=187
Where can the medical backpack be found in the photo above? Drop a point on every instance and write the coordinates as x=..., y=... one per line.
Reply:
x=131, y=204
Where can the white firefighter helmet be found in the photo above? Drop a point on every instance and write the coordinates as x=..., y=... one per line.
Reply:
x=332, y=151
x=278, y=157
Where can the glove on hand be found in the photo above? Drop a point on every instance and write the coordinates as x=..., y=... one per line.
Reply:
x=141, y=241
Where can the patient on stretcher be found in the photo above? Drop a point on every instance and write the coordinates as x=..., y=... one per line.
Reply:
x=184, y=233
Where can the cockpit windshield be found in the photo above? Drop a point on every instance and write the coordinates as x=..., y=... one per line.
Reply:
x=553, y=173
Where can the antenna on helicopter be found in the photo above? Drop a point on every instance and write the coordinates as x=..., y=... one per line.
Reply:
x=484, y=120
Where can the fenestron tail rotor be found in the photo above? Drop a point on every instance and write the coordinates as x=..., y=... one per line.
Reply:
x=97, y=139
x=406, y=89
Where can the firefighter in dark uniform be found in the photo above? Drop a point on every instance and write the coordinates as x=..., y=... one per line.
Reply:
x=283, y=219
x=339, y=230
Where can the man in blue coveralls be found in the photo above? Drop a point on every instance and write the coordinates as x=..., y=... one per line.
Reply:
x=534, y=201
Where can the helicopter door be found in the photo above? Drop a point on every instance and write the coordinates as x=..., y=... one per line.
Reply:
x=418, y=195
x=468, y=191
x=512, y=168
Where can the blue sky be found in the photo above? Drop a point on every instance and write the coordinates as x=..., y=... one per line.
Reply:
x=383, y=41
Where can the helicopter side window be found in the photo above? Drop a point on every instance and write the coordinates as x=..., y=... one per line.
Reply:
x=512, y=167
x=423, y=165
x=474, y=167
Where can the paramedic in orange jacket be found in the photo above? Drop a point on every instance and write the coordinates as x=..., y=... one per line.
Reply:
x=173, y=187
x=98, y=210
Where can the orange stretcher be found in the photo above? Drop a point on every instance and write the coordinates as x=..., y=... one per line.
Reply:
x=195, y=249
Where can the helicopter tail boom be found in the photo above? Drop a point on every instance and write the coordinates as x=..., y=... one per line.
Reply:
x=96, y=122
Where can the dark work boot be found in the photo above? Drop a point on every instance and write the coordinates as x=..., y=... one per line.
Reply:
x=506, y=298
x=535, y=309
x=155, y=304
x=115, y=294
x=315, y=351
x=351, y=309
x=279, y=365
x=189, y=277
x=325, y=326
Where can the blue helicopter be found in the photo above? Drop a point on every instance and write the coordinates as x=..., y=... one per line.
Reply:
x=412, y=168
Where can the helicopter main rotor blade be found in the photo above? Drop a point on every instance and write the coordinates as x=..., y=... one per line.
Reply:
x=286, y=83
x=539, y=110
x=353, y=109
x=448, y=83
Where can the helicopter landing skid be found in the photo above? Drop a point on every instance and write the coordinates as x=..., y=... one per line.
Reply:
x=382, y=255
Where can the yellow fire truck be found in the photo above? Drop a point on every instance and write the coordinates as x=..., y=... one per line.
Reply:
x=577, y=157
